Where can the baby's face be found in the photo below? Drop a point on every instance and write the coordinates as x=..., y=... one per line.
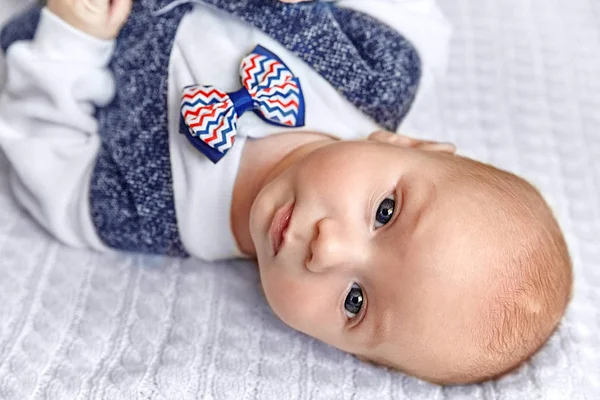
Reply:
x=373, y=257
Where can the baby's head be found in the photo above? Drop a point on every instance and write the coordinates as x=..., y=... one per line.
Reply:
x=408, y=256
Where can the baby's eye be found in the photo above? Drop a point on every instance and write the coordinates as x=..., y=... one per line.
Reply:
x=385, y=211
x=354, y=301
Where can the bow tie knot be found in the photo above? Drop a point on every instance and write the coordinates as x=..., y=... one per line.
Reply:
x=210, y=115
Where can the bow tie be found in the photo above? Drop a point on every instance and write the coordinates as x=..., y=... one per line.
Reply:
x=210, y=116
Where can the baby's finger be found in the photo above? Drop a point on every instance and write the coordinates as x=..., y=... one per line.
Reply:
x=119, y=12
x=430, y=145
x=440, y=147
x=391, y=137
x=95, y=6
x=410, y=142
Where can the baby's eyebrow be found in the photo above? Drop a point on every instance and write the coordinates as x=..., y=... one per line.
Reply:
x=416, y=202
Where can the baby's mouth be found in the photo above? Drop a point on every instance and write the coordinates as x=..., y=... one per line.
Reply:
x=279, y=225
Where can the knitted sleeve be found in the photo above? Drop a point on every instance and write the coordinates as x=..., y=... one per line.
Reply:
x=47, y=126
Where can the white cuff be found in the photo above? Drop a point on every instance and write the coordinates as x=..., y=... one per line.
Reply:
x=61, y=41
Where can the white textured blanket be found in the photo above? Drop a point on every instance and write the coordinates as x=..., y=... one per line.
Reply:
x=522, y=92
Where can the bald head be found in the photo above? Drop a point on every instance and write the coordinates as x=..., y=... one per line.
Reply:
x=531, y=281
x=519, y=277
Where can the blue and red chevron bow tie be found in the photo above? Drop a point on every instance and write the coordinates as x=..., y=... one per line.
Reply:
x=210, y=116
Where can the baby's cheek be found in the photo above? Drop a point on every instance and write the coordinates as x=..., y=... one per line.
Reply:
x=294, y=303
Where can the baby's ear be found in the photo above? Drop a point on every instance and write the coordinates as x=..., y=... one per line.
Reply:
x=406, y=142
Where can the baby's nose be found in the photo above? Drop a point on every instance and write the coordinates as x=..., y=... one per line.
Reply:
x=333, y=246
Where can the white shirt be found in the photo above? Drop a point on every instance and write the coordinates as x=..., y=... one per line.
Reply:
x=55, y=81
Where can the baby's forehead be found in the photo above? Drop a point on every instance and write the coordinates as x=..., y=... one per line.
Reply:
x=442, y=242
x=468, y=249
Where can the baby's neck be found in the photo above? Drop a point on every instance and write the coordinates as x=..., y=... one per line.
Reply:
x=262, y=161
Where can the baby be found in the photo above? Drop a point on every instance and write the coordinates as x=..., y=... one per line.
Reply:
x=390, y=248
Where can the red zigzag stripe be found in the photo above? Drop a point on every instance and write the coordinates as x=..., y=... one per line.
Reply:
x=201, y=90
x=203, y=117
x=215, y=134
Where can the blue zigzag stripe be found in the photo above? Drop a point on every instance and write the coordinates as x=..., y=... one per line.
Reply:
x=272, y=78
x=229, y=129
x=261, y=65
x=285, y=113
x=281, y=93
x=208, y=128
x=201, y=101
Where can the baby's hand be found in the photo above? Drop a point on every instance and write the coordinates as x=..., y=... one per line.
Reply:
x=100, y=18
